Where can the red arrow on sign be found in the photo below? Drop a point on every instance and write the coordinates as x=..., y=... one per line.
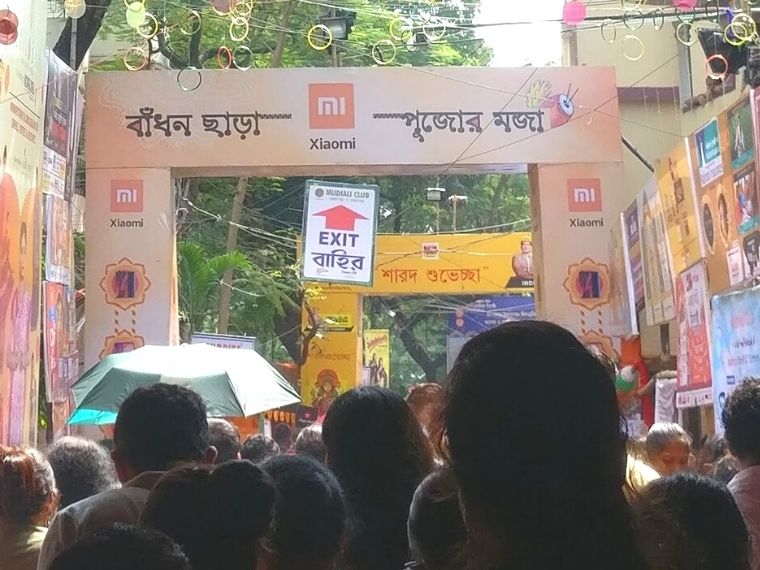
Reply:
x=340, y=218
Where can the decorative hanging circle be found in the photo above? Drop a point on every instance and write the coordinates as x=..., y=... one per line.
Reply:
x=325, y=36
x=384, y=52
x=189, y=23
x=242, y=9
x=608, y=30
x=237, y=58
x=74, y=9
x=8, y=27
x=224, y=57
x=135, y=58
x=149, y=28
x=430, y=27
x=685, y=34
x=239, y=29
x=740, y=30
x=136, y=15
x=658, y=18
x=633, y=19
x=716, y=57
x=400, y=28
x=184, y=78
x=633, y=48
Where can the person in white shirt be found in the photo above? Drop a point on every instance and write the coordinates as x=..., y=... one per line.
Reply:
x=157, y=428
x=741, y=420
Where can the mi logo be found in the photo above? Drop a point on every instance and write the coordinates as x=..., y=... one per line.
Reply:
x=584, y=195
x=127, y=196
x=331, y=106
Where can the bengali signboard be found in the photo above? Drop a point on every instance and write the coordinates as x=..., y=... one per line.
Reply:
x=340, y=223
x=693, y=317
x=351, y=120
x=735, y=342
x=377, y=357
x=658, y=276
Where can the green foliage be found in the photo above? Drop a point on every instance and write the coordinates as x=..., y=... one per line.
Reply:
x=200, y=278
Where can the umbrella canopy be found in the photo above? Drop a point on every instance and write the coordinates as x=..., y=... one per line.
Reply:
x=233, y=383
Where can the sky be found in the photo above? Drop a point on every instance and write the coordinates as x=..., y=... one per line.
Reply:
x=518, y=45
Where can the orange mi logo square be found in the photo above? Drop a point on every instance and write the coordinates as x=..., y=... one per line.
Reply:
x=584, y=195
x=127, y=196
x=331, y=106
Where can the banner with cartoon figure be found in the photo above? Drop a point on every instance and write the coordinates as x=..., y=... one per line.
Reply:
x=735, y=354
x=22, y=74
x=377, y=357
x=693, y=310
x=60, y=341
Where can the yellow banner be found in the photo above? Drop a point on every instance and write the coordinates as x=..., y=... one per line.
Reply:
x=333, y=363
x=674, y=178
x=377, y=357
x=472, y=264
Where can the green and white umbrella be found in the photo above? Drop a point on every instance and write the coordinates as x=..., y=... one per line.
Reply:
x=232, y=382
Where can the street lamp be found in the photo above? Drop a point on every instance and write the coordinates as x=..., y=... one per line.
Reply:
x=454, y=201
x=339, y=22
x=436, y=195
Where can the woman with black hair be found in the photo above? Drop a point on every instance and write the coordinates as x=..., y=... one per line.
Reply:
x=535, y=439
x=377, y=450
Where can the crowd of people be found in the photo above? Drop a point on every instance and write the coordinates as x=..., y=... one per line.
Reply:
x=521, y=462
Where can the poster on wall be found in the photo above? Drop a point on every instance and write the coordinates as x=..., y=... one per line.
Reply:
x=693, y=318
x=58, y=341
x=60, y=96
x=22, y=64
x=59, y=254
x=676, y=193
x=340, y=224
x=377, y=357
x=735, y=355
x=716, y=214
x=633, y=243
x=658, y=275
x=709, y=160
x=621, y=283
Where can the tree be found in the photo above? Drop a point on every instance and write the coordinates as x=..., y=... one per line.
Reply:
x=199, y=277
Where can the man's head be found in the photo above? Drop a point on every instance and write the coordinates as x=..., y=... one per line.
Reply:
x=309, y=443
x=225, y=438
x=123, y=547
x=436, y=528
x=82, y=468
x=258, y=448
x=159, y=427
x=741, y=419
x=668, y=448
x=309, y=518
x=283, y=435
x=526, y=246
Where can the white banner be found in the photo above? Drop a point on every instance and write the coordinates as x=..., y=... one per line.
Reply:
x=340, y=222
x=665, y=400
x=224, y=341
